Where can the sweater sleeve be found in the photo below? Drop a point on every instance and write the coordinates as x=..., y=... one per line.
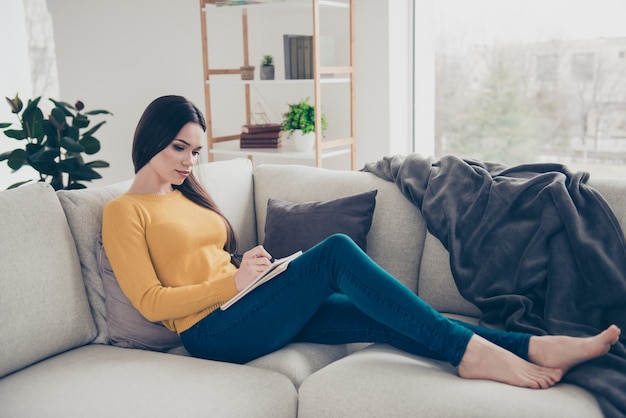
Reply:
x=123, y=236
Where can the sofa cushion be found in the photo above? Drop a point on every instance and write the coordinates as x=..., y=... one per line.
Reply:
x=383, y=381
x=83, y=209
x=396, y=238
x=125, y=325
x=43, y=305
x=436, y=283
x=614, y=192
x=290, y=227
x=298, y=361
x=229, y=182
x=104, y=381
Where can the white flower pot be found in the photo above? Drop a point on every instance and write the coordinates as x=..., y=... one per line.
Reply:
x=303, y=142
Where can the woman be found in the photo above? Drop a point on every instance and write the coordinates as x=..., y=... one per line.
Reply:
x=170, y=247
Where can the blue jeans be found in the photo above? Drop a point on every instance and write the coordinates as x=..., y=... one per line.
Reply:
x=335, y=294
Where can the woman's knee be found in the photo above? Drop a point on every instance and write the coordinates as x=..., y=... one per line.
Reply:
x=343, y=244
x=340, y=241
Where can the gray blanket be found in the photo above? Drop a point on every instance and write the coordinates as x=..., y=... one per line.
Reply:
x=533, y=246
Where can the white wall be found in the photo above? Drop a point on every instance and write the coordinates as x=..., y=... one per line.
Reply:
x=119, y=55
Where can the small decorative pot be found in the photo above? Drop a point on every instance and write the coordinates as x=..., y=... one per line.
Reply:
x=247, y=72
x=303, y=142
x=267, y=72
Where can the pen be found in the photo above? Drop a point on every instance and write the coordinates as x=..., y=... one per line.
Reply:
x=240, y=256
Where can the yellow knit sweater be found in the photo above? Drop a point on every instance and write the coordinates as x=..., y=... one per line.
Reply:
x=168, y=256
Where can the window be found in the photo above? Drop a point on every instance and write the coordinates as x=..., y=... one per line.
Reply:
x=547, y=67
x=582, y=66
x=28, y=67
x=532, y=81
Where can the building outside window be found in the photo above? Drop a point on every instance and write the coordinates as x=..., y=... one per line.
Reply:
x=532, y=81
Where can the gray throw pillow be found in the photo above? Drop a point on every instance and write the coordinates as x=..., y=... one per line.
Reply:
x=126, y=326
x=290, y=227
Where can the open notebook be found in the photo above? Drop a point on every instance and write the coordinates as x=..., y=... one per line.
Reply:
x=277, y=267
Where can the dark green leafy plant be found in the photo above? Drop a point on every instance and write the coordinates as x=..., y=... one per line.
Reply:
x=54, y=146
x=267, y=60
x=301, y=115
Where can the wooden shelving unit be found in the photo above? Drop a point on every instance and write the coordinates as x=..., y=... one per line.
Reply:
x=228, y=145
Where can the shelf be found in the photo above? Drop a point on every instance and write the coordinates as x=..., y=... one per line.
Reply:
x=237, y=80
x=286, y=151
x=268, y=5
x=228, y=72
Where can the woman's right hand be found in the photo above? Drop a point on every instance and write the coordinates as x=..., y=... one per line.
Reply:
x=253, y=263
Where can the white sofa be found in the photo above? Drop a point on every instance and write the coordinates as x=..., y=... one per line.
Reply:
x=56, y=359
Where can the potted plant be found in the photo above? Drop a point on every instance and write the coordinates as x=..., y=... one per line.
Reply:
x=299, y=122
x=54, y=146
x=267, y=67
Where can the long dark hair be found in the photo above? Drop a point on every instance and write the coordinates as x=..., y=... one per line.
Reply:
x=157, y=128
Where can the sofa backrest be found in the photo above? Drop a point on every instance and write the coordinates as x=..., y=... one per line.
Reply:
x=43, y=305
x=613, y=190
x=396, y=238
x=229, y=182
x=436, y=283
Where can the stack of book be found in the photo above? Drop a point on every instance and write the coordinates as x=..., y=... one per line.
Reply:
x=260, y=136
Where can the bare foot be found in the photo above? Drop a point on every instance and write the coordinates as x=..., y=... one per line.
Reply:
x=484, y=360
x=564, y=352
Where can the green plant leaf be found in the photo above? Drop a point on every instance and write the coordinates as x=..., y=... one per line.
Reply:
x=51, y=138
x=72, y=145
x=98, y=112
x=72, y=132
x=80, y=121
x=57, y=118
x=97, y=164
x=5, y=125
x=46, y=168
x=5, y=155
x=70, y=165
x=33, y=103
x=32, y=119
x=90, y=145
x=94, y=129
x=42, y=158
x=32, y=148
x=17, y=158
x=18, y=184
x=85, y=173
x=57, y=181
x=63, y=105
x=75, y=186
x=15, y=134
x=44, y=155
